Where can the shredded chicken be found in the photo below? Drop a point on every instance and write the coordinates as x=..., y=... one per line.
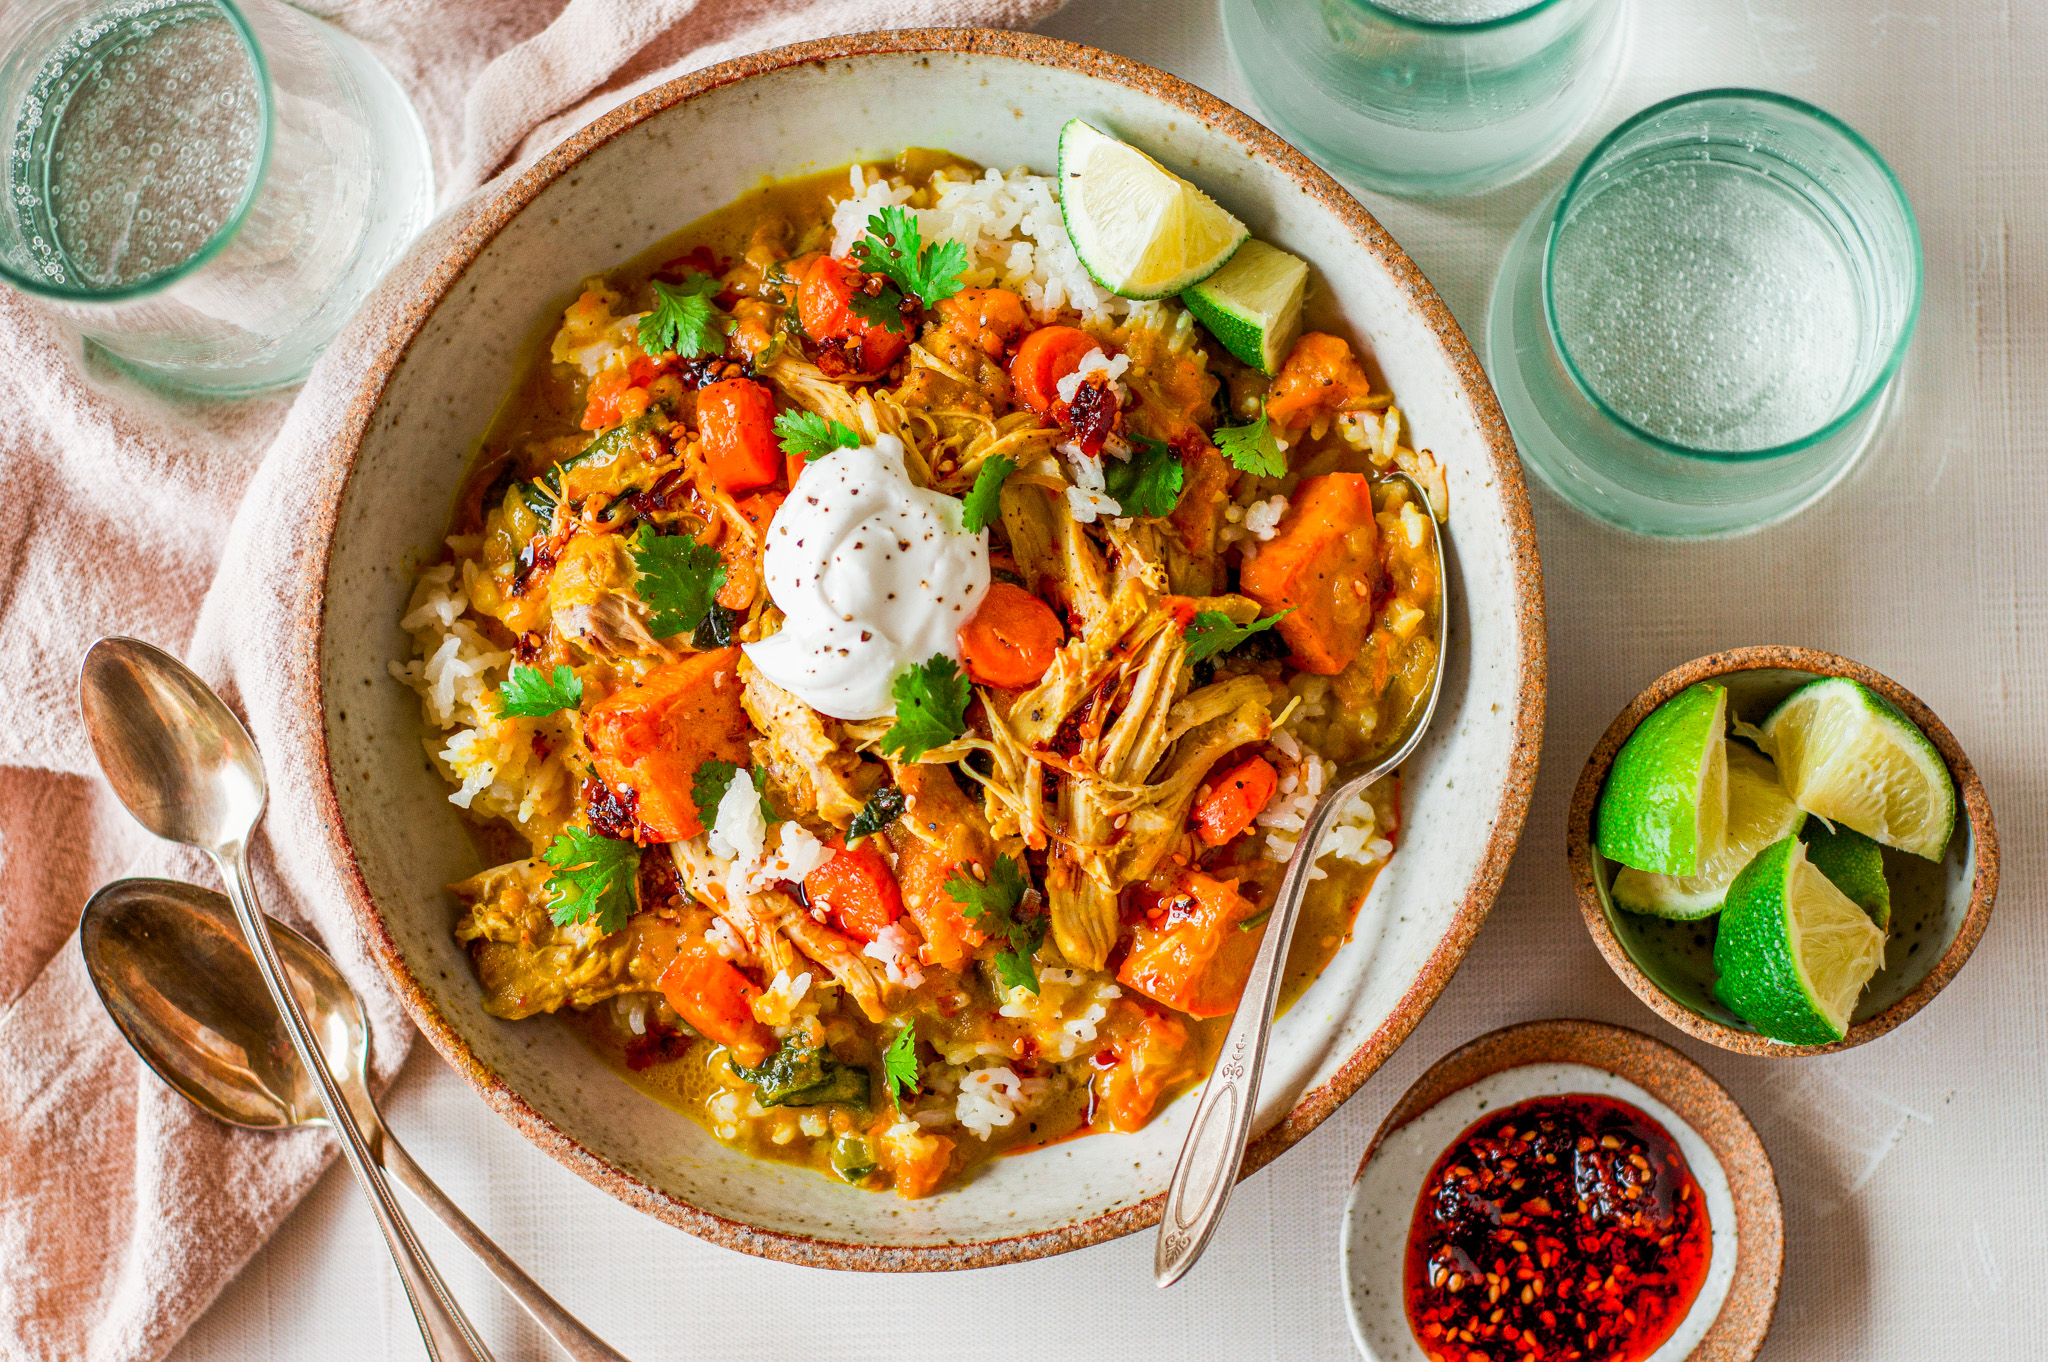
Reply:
x=803, y=750
x=529, y=964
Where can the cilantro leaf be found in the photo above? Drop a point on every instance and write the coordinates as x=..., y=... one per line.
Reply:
x=884, y=309
x=684, y=320
x=1211, y=632
x=708, y=789
x=529, y=693
x=884, y=807
x=899, y=1064
x=983, y=506
x=992, y=907
x=679, y=579
x=811, y=435
x=1253, y=448
x=594, y=879
x=895, y=247
x=1147, y=483
x=931, y=708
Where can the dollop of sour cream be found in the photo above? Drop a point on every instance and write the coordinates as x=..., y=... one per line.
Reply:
x=872, y=573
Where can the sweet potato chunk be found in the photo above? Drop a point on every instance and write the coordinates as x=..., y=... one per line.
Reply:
x=939, y=835
x=711, y=994
x=1198, y=958
x=1318, y=378
x=1323, y=568
x=1150, y=1046
x=652, y=736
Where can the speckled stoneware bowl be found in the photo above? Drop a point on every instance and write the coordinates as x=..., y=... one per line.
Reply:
x=1939, y=911
x=649, y=168
x=1732, y=1313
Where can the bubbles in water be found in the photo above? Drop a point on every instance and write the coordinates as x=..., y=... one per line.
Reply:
x=1708, y=305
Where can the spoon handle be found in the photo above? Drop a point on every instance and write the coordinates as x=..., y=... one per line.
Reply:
x=1209, y=1161
x=448, y=1334
x=576, y=1340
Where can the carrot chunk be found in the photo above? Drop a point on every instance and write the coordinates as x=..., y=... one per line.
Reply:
x=1318, y=378
x=1012, y=639
x=650, y=737
x=1235, y=798
x=848, y=343
x=1197, y=958
x=1322, y=567
x=919, y=1162
x=715, y=998
x=1046, y=356
x=736, y=424
x=939, y=835
x=741, y=553
x=856, y=889
x=1148, y=1049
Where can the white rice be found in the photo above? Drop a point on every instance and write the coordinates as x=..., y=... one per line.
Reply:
x=724, y=940
x=1095, y=364
x=988, y=1099
x=1263, y=518
x=986, y=215
x=1303, y=773
x=896, y=949
x=739, y=830
x=797, y=853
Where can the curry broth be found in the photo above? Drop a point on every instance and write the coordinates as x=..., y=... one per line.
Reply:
x=525, y=436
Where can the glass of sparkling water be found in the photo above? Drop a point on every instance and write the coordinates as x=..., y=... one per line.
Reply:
x=203, y=189
x=1427, y=98
x=1695, y=336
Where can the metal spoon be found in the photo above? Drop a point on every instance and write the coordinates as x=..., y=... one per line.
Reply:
x=1207, y=1170
x=170, y=964
x=189, y=772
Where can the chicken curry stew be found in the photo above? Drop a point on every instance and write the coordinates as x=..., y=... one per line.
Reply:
x=887, y=672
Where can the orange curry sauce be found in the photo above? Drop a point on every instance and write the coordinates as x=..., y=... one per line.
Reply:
x=1561, y=1228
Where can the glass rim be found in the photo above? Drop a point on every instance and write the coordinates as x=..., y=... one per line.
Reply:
x=214, y=244
x=1421, y=25
x=1871, y=391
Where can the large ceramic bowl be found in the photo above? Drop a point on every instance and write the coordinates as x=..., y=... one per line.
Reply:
x=656, y=164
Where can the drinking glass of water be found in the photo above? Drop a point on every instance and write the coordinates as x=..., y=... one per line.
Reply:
x=204, y=189
x=1427, y=98
x=1696, y=334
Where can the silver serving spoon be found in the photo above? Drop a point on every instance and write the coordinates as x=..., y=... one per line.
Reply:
x=172, y=968
x=189, y=772
x=1222, y=1124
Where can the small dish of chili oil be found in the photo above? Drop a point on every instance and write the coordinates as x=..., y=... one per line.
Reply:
x=1566, y=1227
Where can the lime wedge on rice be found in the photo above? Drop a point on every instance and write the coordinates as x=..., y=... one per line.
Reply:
x=1141, y=230
x=1253, y=304
x=1793, y=953
x=1845, y=753
x=1854, y=865
x=1759, y=813
x=1665, y=808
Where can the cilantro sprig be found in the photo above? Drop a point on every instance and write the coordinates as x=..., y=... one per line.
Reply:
x=811, y=435
x=679, y=580
x=931, y=708
x=884, y=807
x=983, y=504
x=899, y=1064
x=1254, y=448
x=593, y=878
x=1147, y=483
x=530, y=693
x=895, y=249
x=992, y=906
x=684, y=320
x=1211, y=632
x=714, y=778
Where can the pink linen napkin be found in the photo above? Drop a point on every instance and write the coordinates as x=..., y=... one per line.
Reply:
x=123, y=1211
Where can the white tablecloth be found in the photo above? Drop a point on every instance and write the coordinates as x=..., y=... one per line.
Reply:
x=1915, y=1185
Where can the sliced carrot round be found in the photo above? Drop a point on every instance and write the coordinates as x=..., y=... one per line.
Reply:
x=1235, y=798
x=1012, y=639
x=824, y=304
x=1045, y=357
x=856, y=889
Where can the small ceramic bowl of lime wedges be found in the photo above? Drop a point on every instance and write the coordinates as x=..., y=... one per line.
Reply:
x=1782, y=851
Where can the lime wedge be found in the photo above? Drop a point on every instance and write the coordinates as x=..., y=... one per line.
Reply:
x=1759, y=813
x=1793, y=952
x=1140, y=230
x=1854, y=865
x=1665, y=808
x=1848, y=755
x=1253, y=304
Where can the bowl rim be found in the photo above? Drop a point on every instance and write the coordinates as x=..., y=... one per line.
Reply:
x=1779, y=657
x=1673, y=1078
x=491, y=217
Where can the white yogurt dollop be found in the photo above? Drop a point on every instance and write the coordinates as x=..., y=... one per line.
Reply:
x=873, y=574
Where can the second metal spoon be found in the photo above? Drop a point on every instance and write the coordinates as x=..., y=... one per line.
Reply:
x=170, y=964
x=1207, y=1170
